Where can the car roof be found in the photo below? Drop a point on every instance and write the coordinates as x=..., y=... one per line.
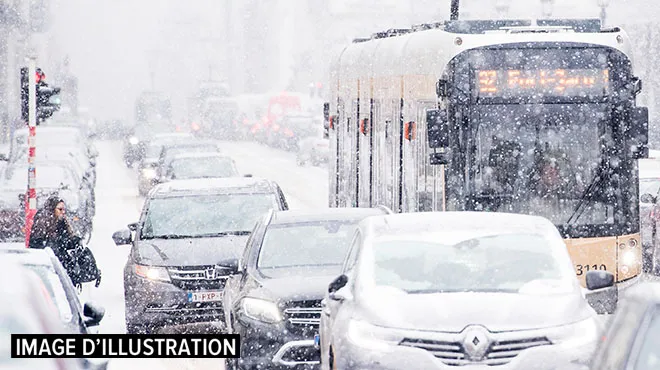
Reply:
x=226, y=185
x=200, y=155
x=27, y=255
x=325, y=214
x=416, y=223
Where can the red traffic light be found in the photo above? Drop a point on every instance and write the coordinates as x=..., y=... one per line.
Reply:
x=40, y=75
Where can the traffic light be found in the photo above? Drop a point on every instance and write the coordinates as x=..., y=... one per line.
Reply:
x=47, y=99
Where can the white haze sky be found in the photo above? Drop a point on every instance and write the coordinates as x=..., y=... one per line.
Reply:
x=111, y=43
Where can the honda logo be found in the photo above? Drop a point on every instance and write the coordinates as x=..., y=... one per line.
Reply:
x=210, y=273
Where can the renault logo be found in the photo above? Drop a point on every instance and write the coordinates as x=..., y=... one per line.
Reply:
x=476, y=343
x=210, y=273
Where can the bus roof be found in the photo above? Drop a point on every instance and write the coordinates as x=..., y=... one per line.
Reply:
x=431, y=47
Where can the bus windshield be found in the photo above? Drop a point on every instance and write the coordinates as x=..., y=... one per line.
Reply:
x=543, y=159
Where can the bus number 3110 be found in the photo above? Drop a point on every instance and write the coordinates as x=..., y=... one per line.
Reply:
x=581, y=269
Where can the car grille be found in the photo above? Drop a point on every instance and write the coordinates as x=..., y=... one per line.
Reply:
x=303, y=317
x=453, y=353
x=195, y=278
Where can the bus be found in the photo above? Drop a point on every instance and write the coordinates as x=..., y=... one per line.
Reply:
x=523, y=116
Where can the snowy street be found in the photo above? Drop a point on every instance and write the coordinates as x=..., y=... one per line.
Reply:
x=118, y=204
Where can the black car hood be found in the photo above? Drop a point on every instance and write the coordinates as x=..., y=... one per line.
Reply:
x=307, y=283
x=191, y=251
x=452, y=312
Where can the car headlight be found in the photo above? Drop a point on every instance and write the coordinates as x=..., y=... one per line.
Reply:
x=155, y=273
x=581, y=333
x=371, y=336
x=261, y=310
x=149, y=173
x=133, y=140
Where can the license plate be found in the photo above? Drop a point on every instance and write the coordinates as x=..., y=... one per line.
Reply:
x=204, y=296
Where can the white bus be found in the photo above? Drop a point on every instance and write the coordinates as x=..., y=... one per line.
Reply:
x=534, y=117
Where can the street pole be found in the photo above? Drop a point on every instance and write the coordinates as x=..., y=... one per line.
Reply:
x=31, y=199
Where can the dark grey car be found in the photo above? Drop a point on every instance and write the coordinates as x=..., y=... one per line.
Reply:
x=274, y=301
x=649, y=192
x=186, y=244
x=632, y=340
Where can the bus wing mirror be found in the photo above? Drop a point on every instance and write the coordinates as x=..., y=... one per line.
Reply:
x=639, y=132
x=326, y=111
x=437, y=126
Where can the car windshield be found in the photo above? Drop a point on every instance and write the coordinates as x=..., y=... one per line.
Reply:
x=192, y=168
x=55, y=289
x=205, y=215
x=649, y=355
x=305, y=244
x=516, y=263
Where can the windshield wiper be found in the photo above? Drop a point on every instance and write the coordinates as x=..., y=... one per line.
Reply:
x=207, y=235
x=587, y=195
x=165, y=236
x=223, y=233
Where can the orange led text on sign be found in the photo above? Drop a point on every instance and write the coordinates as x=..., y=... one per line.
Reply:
x=558, y=80
x=488, y=81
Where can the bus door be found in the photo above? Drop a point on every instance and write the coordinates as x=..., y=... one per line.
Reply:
x=343, y=164
x=397, y=151
x=409, y=143
x=364, y=144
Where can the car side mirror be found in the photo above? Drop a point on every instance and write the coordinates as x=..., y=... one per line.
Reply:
x=599, y=280
x=93, y=313
x=122, y=237
x=647, y=198
x=231, y=264
x=337, y=284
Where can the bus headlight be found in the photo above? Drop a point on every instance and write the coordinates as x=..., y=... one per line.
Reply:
x=133, y=140
x=629, y=258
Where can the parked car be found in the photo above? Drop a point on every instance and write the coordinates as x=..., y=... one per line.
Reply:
x=633, y=336
x=446, y=289
x=649, y=215
x=186, y=244
x=78, y=318
x=274, y=301
x=30, y=311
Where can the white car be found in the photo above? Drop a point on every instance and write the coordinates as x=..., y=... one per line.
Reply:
x=437, y=290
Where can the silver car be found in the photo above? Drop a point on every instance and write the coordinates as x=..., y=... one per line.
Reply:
x=446, y=289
